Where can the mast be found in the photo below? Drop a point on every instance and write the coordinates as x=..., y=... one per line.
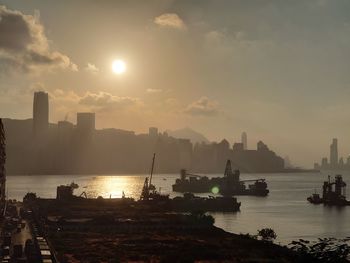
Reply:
x=2, y=162
x=150, y=179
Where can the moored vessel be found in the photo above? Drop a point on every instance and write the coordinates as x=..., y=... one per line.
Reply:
x=228, y=185
x=330, y=196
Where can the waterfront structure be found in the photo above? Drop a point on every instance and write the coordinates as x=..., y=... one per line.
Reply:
x=244, y=140
x=2, y=162
x=40, y=113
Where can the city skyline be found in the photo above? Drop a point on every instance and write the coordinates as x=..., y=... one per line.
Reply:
x=174, y=64
x=36, y=147
x=174, y=131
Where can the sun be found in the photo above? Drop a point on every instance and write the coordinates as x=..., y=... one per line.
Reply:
x=118, y=66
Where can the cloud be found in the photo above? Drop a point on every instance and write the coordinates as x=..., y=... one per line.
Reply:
x=170, y=20
x=91, y=68
x=104, y=100
x=154, y=90
x=202, y=107
x=24, y=45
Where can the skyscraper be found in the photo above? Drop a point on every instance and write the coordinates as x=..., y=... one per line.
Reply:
x=85, y=122
x=244, y=140
x=40, y=112
x=153, y=132
x=333, y=158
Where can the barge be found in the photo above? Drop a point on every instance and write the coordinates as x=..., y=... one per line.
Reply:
x=228, y=185
x=330, y=196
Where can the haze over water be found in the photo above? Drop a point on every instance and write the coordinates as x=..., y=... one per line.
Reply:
x=285, y=209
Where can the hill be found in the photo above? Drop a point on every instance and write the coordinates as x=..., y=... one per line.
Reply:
x=188, y=133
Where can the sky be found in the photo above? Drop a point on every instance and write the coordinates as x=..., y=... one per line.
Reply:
x=278, y=70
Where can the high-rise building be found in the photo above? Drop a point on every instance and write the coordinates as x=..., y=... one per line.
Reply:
x=262, y=146
x=85, y=122
x=324, y=163
x=64, y=131
x=244, y=140
x=333, y=157
x=153, y=131
x=40, y=112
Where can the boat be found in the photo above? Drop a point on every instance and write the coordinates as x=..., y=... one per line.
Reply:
x=228, y=185
x=315, y=199
x=330, y=196
x=153, y=199
x=189, y=202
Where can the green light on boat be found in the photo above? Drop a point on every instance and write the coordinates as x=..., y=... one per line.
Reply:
x=215, y=190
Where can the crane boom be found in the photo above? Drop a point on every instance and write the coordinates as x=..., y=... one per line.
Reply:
x=150, y=178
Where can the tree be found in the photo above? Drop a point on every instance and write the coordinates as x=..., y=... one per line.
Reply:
x=267, y=234
x=324, y=249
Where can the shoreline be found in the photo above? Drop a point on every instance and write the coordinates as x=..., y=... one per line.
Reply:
x=163, y=173
x=82, y=230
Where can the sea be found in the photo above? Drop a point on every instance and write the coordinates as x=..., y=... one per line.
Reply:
x=285, y=209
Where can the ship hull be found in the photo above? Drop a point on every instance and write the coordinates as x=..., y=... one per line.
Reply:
x=224, y=190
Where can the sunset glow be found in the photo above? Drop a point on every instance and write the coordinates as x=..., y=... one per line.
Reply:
x=118, y=66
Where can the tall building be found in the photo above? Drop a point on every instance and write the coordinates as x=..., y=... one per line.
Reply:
x=244, y=140
x=85, y=122
x=153, y=131
x=262, y=146
x=40, y=112
x=64, y=131
x=333, y=157
x=324, y=163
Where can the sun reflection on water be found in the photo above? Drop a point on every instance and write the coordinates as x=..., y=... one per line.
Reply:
x=114, y=186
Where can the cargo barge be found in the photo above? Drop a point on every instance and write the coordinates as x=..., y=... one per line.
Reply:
x=228, y=185
x=331, y=197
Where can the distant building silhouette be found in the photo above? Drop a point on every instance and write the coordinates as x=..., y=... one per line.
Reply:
x=333, y=155
x=64, y=131
x=153, y=131
x=81, y=149
x=238, y=147
x=262, y=146
x=325, y=162
x=85, y=123
x=335, y=163
x=40, y=112
x=244, y=140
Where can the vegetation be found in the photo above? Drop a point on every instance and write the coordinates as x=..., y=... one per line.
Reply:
x=267, y=234
x=201, y=218
x=324, y=249
x=29, y=197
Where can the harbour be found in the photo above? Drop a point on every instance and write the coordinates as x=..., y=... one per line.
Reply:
x=285, y=209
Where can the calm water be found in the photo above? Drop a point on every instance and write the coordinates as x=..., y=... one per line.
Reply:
x=285, y=209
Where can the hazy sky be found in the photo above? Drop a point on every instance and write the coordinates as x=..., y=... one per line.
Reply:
x=278, y=70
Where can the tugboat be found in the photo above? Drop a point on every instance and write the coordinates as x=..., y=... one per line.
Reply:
x=331, y=197
x=228, y=185
x=188, y=203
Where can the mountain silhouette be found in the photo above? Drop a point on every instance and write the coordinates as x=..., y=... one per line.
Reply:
x=188, y=133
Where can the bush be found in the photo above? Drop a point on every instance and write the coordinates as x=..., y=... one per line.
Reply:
x=267, y=234
x=324, y=249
